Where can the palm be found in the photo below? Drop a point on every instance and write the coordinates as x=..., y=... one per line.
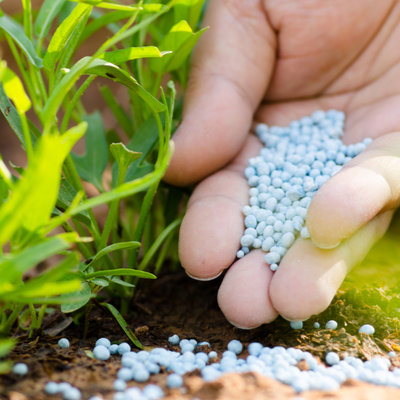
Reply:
x=316, y=68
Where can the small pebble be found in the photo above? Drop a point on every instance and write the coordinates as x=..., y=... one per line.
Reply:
x=296, y=324
x=63, y=343
x=332, y=358
x=153, y=392
x=235, y=346
x=174, y=339
x=392, y=354
x=20, y=369
x=331, y=325
x=103, y=342
x=51, y=388
x=72, y=394
x=316, y=325
x=367, y=329
x=124, y=348
x=174, y=381
x=119, y=385
x=101, y=353
x=113, y=349
x=212, y=354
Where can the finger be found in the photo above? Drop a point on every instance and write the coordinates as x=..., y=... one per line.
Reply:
x=230, y=71
x=213, y=225
x=244, y=293
x=365, y=187
x=308, y=277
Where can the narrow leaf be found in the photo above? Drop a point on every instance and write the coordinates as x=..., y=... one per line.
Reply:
x=111, y=248
x=16, y=31
x=48, y=11
x=118, y=317
x=131, y=53
x=118, y=281
x=62, y=35
x=122, y=272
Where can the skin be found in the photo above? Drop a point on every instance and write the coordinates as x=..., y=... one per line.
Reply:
x=275, y=61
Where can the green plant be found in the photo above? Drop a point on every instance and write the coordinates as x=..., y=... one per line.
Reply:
x=50, y=192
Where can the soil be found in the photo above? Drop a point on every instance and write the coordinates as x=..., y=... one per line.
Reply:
x=174, y=303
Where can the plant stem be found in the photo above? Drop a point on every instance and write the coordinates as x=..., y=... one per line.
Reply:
x=81, y=246
x=33, y=319
x=74, y=101
x=27, y=135
x=28, y=18
x=11, y=319
x=89, y=307
x=41, y=314
x=113, y=213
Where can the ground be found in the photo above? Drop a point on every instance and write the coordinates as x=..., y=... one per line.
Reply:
x=177, y=304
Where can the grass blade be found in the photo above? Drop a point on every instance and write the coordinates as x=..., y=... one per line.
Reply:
x=118, y=317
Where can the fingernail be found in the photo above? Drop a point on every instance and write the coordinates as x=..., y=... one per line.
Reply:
x=242, y=327
x=203, y=279
x=324, y=247
x=294, y=320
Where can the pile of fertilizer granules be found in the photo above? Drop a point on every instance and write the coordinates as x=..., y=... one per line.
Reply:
x=295, y=162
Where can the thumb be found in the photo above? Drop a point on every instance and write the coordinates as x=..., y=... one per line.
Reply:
x=365, y=187
x=230, y=72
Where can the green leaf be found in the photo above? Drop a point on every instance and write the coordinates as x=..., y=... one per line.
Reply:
x=62, y=35
x=6, y=346
x=118, y=281
x=99, y=282
x=14, y=89
x=122, y=272
x=131, y=53
x=188, y=10
x=92, y=164
x=34, y=197
x=111, y=248
x=100, y=68
x=16, y=31
x=118, y=317
x=111, y=71
x=180, y=40
x=108, y=20
x=48, y=11
x=183, y=53
x=77, y=299
x=5, y=367
x=66, y=195
x=123, y=156
x=144, y=141
x=119, y=113
x=17, y=264
x=11, y=115
x=111, y=6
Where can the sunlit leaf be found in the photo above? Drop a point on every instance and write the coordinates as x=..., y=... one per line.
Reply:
x=62, y=35
x=34, y=197
x=48, y=11
x=14, y=89
x=131, y=53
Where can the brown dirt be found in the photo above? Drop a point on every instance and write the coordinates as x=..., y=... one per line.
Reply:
x=177, y=304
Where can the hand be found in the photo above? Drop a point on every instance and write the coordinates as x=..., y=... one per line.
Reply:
x=279, y=61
